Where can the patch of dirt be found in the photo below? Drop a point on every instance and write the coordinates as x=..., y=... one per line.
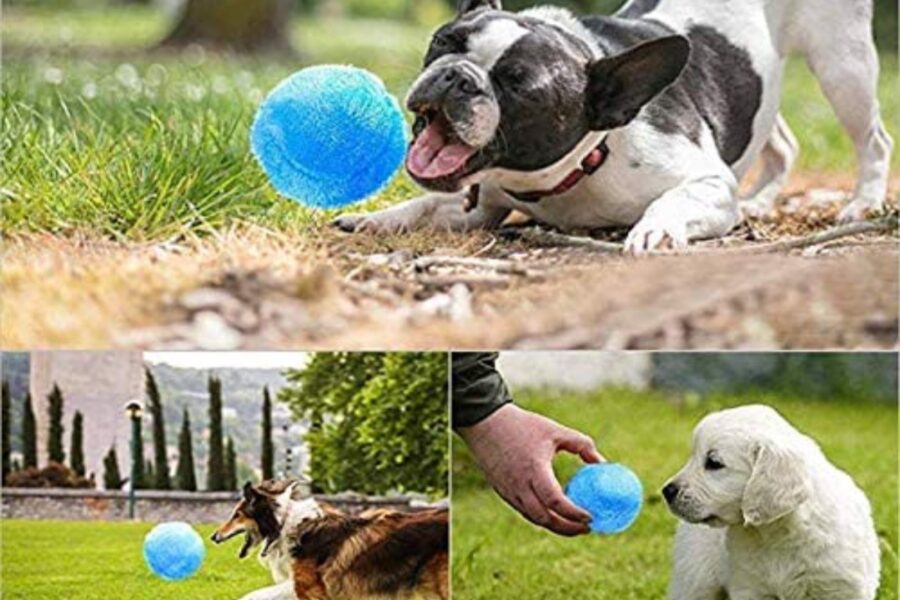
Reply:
x=525, y=288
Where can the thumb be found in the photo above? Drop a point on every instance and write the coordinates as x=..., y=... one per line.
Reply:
x=580, y=444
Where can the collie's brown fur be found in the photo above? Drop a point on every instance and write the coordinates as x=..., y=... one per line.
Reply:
x=374, y=555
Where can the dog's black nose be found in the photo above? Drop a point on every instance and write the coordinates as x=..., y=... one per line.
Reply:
x=669, y=492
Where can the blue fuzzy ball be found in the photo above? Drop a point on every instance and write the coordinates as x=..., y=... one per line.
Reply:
x=329, y=136
x=174, y=551
x=611, y=493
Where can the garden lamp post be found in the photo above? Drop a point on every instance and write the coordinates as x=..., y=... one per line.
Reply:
x=134, y=410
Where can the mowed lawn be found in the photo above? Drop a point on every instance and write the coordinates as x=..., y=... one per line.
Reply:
x=497, y=554
x=100, y=561
x=108, y=140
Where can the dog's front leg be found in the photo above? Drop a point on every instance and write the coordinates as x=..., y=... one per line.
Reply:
x=700, y=208
x=433, y=211
x=282, y=591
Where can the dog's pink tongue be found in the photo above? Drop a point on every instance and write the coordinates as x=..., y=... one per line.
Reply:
x=431, y=156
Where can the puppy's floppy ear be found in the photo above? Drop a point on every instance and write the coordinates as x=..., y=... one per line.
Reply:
x=467, y=6
x=778, y=484
x=619, y=86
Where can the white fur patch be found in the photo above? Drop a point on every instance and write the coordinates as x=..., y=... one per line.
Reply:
x=490, y=44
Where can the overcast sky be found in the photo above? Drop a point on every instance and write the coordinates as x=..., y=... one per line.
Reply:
x=228, y=360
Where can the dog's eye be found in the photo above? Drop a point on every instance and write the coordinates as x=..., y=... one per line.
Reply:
x=713, y=463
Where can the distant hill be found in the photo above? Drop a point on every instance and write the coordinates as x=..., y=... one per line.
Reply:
x=242, y=393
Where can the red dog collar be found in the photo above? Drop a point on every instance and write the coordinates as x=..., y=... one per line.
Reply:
x=590, y=165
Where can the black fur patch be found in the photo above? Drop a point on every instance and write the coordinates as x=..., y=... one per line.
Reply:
x=724, y=88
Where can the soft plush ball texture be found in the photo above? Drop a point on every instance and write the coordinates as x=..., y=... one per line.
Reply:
x=329, y=136
x=174, y=551
x=612, y=493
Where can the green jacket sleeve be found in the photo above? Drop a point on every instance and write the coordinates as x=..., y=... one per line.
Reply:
x=477, y=388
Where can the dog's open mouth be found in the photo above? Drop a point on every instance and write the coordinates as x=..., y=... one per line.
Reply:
x=437, y=152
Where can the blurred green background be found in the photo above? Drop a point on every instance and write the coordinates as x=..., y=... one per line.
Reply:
x=110, y=134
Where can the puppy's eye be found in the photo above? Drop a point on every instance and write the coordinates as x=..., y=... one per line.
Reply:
x=713, y=463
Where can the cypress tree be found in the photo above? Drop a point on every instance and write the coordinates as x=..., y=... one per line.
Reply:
x=112, y=479
x=55, y=451
x=215, y=476
x=184, y=472
x=230, y=465
x=6, y=450
x=76, y=450
x=29, y=435
x=148, y=474
x=268, y=450
x=161, y=479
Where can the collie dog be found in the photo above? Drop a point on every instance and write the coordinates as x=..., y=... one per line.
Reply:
x=316, y=552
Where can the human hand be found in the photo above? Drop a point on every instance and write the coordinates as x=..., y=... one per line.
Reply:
x=515, y=449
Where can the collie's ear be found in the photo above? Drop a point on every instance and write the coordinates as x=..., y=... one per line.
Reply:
x=778, y=484
x=467, y=6
x=248, y=491
x=619, y=86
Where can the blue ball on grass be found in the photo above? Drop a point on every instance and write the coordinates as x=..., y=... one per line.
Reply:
x=329, y=136
x=610, y=492
x=174, y=551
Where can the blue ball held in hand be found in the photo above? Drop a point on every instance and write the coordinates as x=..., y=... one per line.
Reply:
x=612, y=493
x=174, y=551
x=329, y=136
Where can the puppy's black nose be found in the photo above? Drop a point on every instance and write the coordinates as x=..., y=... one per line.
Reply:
x=670, y=492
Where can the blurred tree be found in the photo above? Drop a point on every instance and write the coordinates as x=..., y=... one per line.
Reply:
x=268, y=450
x=215, y=474
x=378, y=421
x=161, y=479
x=29, y=435
x=237, y=25
x=55, y=451
x=112, y=479
x=6, y=402
x=185, y=478
x=76, y=449
x=230, y=465
x=149, y=479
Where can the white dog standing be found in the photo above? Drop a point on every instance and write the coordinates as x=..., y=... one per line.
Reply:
x=767, y=517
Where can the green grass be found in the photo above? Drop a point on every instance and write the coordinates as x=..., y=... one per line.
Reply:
x=498, y=554
x=48, y=560
x=103, y=138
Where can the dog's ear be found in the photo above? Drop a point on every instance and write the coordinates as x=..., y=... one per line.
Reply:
x=467, y=6
x=778, y=484
x=619, y=86
x=297, y=490
x=249, y=492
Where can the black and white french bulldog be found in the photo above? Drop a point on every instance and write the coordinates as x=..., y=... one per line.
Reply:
x=647, y=118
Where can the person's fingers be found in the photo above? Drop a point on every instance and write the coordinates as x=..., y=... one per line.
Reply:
x=550, y=494
x=580, y=444
x=534, y=510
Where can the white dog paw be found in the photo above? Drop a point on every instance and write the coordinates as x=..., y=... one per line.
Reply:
x=858, y=210
x=654, y=233
x=362, y=223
